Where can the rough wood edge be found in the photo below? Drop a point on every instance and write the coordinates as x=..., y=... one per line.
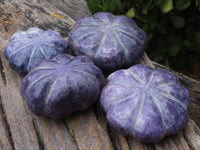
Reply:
x=119, y=141
x=53, y=134
x=18, y=119
x=180, y=75
x=5, y=137
x=88, y=133
x=192, y=135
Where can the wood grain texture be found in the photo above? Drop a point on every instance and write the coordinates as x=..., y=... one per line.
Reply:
x=85, y=130
x=119, y=141
x=89, y=134
x=21, y=15
x=73, y=8
x=18, y=119
x=53, y=134
x=5, y=139
x=57, y=15
x=133, y=144
x=192, y=135
x=37, y=132
x=176, y=142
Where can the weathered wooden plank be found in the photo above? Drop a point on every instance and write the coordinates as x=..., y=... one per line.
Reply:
x=18, y=119
x=73, y=8
x=88, y=132
x=5, y=140
x=119, y=141
x=55, y=15
x=176, y=142
x=148, y=146
x=192, y=135
x=53, y=134
x=133, y=144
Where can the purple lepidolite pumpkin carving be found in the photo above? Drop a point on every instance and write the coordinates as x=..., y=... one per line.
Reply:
x=145, y=103
x=111, y=41
x=56, y=88
x=27, y=48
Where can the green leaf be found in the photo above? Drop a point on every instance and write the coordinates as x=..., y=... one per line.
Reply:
x=157, y=2
x=177, y=21
x=149, y=35
x=174, y=38
x=104, y=6
x=197, y=35
x=166, y=5
x=141, y=17
x=182, y=4
x=198, y=3
x=189, y=31
x=94, y=5
x=145, y=27
x=187, y=43
x=159, y=58
x=130, y=13
x=178, y=61
x=166, y=61
x=153, y=21
x=118, y=4
x=146, y=6
x=173, y=50
x=136, y=1
x=163, y=26
x=111, y=5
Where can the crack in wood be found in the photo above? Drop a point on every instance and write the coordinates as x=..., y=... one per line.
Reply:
x=188, y=142
x=40, y=141
x=6, y=124
x=100, y=115
x=149, y=146
x=117, y=145
x=3, y=76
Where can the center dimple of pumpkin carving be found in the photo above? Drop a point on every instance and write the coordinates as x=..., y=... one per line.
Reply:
x=145, y=89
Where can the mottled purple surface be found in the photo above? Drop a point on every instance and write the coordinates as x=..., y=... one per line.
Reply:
x=145, y=103
x=111, y=41
x=58, y=87
x=27, y=48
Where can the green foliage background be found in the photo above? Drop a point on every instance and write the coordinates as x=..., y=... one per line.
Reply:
x=172, y=26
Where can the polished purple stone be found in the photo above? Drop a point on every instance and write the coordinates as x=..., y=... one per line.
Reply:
x=27, y=48
x=58, y=87
x=113, y=42
x=145, y=103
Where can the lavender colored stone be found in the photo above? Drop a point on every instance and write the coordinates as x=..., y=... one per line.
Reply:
x=56, y=88
x=145, y=103
x=113, y=42
x=27, y=48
